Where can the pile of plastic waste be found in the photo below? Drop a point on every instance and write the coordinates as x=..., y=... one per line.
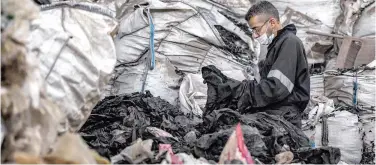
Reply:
x=120, y=81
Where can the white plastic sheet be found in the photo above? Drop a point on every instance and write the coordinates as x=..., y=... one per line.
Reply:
x=192, y=94
x=238, y=7
x=324, y=10
x=320, y=106
x=331, y=61
x=185, y=40
x=307, y=15
x=193, y=91
x=185, y=158
x=316, y=92
x=365, y=25
x=317, y=85
x=349, y=14
x=315, y=45
x=75, y=69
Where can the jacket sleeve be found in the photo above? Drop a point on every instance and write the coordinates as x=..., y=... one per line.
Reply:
x=280, y=79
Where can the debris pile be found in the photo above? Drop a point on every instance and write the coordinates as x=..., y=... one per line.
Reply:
x=118, y=121
x=42, y=101
x=222, y=40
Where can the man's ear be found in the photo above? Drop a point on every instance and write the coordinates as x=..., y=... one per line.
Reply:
x=273, y=22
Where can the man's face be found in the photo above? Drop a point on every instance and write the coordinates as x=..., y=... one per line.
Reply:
x=259, y=25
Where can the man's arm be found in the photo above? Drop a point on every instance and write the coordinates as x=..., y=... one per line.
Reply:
x=280, y=80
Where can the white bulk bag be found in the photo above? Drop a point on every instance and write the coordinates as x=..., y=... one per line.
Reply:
x=344, y=132
x=77, y=56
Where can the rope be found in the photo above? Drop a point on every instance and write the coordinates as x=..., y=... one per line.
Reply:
x=355, y=89
x=150, y=65
x=57, y=57
x=325, y=131
x=80, y=5
x=151, y=44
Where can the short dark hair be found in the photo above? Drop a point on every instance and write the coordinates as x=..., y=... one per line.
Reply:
x=262, y=8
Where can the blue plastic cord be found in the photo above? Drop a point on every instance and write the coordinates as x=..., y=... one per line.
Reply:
x=151, y=49
x=355, y=100
x=151, y=46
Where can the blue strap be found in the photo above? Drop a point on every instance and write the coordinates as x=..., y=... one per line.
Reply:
x=151, y=43
x=355, y=89
x=151, y=49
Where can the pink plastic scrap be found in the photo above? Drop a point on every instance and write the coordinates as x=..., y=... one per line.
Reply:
x=167, y=147
x=242, y=147
x=235, y=149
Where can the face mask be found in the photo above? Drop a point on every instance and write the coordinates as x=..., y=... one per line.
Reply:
x=270, y=38
x=264, y=39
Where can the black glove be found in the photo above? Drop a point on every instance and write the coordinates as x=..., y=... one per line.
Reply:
x=223, y=92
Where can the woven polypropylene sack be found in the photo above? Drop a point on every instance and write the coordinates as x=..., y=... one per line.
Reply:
x=344, y=132
x=77, y=56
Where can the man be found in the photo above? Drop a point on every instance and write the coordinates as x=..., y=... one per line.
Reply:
x=284, y=86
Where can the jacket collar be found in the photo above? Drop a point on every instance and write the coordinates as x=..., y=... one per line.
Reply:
x=288, y=28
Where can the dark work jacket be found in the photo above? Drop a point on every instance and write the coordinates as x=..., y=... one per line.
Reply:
x=285, y=82
x=284, y=86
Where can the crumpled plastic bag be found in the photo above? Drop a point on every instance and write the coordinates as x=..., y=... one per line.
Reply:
x=32, y=131
x=170, y=157
x=159, y=133
x=365, y=25
x=180, y=158
x=260, y=131
x=192, y=92
x=322, y=155
x=70, y=146
x=69, y=149
x=235, y=148
x=284, y=157
x=211, y=145
x=163, y=148
x=324, y=106
x=350, y=11
x=135, y=153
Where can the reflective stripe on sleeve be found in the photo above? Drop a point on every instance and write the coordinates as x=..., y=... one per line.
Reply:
x=281, y=77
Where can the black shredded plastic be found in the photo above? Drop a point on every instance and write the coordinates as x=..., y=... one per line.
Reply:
x=117, y=121
x=242, y=26
x=235, y=45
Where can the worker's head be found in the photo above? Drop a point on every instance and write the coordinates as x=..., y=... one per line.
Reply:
x=263, y=19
